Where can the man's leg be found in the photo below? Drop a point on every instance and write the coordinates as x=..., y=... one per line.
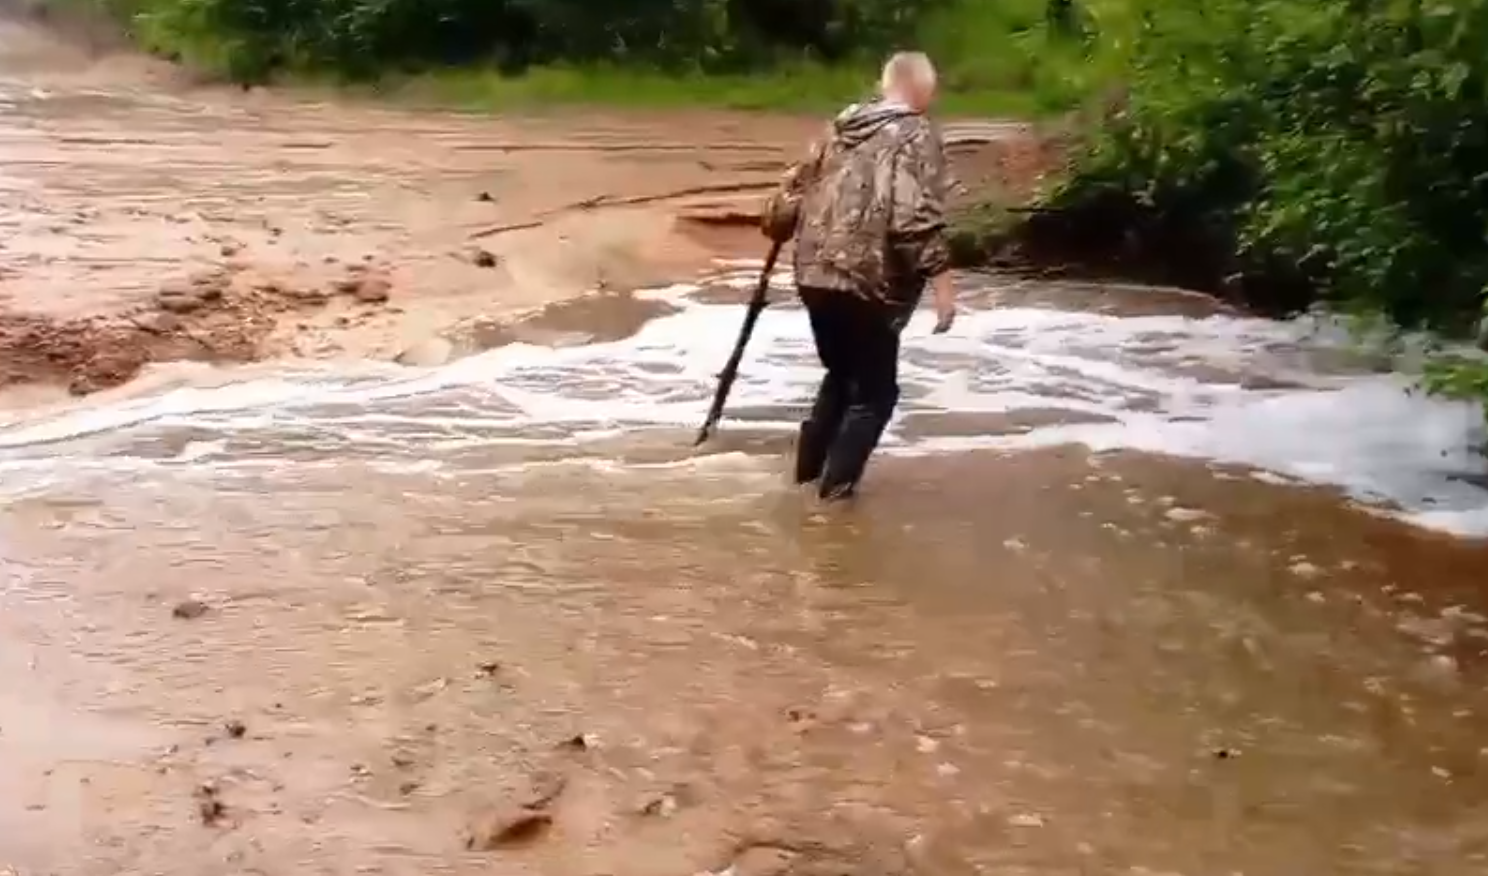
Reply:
x=833, y=346
x=874, y=392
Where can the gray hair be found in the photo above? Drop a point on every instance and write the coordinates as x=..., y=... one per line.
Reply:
x=909, y=69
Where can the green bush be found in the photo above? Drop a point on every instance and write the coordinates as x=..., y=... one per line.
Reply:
x=364, y=38
x=1309, y=149
x=996, y=56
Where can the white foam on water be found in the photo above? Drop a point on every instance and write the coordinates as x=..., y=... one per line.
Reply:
x=1161, y=384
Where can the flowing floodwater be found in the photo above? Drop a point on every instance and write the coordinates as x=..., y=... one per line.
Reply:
x=1220, y=388
x=1135, y=587
x=1028, y=648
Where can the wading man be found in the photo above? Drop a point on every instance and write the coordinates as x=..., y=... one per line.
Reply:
x=867, y=210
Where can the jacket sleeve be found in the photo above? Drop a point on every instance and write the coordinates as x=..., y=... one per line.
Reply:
x=780, y=214
x=917, y=228
x=800, y=172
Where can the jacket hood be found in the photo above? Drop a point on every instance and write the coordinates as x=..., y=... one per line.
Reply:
x=862, y=120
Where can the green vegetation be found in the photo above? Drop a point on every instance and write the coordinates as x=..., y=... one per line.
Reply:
x=793, y=87
x=997, y=56
x=1293, y=151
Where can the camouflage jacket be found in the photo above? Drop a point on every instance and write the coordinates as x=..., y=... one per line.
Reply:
x=872, y=217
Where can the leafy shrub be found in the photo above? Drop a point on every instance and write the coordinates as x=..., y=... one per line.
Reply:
x=1347, y=139
x=1333, y=149
x=249, y=38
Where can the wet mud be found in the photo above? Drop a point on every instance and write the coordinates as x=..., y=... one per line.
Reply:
x=1043, y=663
x=117, y=194
x=217, y=316
x=122, y=182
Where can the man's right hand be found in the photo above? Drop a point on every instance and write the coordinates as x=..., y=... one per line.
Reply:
x=945, y=303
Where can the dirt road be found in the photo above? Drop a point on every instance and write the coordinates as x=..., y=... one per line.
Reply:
x=150, y=221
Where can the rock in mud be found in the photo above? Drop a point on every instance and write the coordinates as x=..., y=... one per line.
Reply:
x=764, y=862
x=546, y=788
x=210, y=285
x=190, y=609
x=809, y=857
x=159, y=323
x=307, y=297
x=179, y=301
x=116, y=362
x=209, y=805
x=197, y=292
x=579, y=742
x=427, y=353
x=364, y=288
x=507, y=829
x=482, y=258
x=660, y=806
x=235, y=729
x=374, y=290
x=522, y=824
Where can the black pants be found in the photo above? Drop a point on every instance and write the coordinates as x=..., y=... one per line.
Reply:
x=858, y=343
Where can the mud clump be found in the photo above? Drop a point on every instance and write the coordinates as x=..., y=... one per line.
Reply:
x=779, y=857
x=216, y=316
x=373, y=291
x=508, y=829
x=209, y=806
x=200, y=291
x=482, y=258
x=364, y=285
x=189, y=609
x=520, y=825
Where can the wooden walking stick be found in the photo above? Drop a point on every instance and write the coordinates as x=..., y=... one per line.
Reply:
x=730, y=372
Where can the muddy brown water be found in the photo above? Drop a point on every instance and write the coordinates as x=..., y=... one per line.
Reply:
x=1104, y=607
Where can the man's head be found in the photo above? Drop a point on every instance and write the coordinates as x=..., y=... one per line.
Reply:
x=909, y=77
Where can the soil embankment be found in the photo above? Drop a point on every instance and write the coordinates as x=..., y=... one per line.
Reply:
x=156, y=222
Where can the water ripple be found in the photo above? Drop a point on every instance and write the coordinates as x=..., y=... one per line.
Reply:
x=1223, y=388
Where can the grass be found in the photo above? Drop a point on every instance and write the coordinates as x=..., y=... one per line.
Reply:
x=799, y=88
x=996, y=58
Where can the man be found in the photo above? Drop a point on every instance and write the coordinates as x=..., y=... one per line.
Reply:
x=867, y=209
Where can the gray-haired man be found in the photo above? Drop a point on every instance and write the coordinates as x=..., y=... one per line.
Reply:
x=869, y=223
